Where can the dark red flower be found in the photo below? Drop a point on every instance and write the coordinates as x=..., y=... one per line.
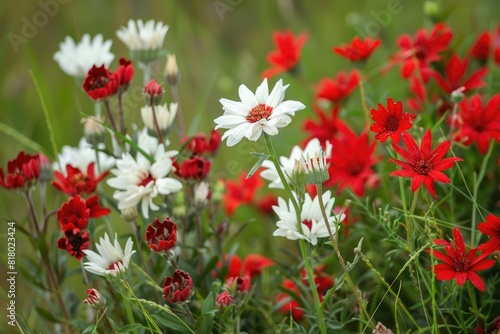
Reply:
x=239, y=283
x=23, y=171
x=358, y=49
x=75, y=242
x=287, y=56
x=193, y=168
x=255, y=263
x=161, y=236
x=422, y=164
x=75, y=213
x=338, y=89
x=478, y=124
x=95, y=208
x=455, y=71
x=390, y=122
x=351, y=164
x=224, y=299
x=491, y=228
x=460, y=264
x=422, y=50
x=179, y=288
x=76, y=182
x=482, y=47
x=125, y=72
x=153, y=89
x=199, y=145
x=100, y=83
x=241, y=192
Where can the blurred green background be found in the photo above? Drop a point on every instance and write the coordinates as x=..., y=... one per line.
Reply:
x=216, y=52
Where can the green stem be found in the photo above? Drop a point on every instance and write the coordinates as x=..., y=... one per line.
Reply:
x=302, y=244
x=409, y=224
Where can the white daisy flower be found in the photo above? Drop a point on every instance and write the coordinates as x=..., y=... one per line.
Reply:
x=143, y=36
x=256, y=113
x=110, y=259
x=81, y=156
x=139, y=180
x=164, y=116
x=287, y=163
x=313, y=225
x=77, y=59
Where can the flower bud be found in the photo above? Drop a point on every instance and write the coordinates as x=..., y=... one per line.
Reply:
x=171, y=71
x=94, y=299
x=46, y=172
x=457, y=95
x=224, y=299
x=201, y=195
x=161, y=237
x=130, y=214
x=432, y=10
x=315, y=168
x=154, y=92
x=179, y=288
x=93, y=130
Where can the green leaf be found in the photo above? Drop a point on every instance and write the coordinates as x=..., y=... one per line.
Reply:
x=130, y=328
x=262, y=157
x=21, y=138
x=205, y=322
x=173, y=322
x=42, y=246
x=22, y=324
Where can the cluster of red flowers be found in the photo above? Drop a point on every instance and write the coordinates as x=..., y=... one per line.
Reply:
x=100, y=83
x=22, y=172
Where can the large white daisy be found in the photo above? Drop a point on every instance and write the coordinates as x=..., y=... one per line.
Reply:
x=140, y=180
x=110, y=259
x=287, y=163
x=76, y=59
x=143, y=36
x=313, y=224
x=256, y=113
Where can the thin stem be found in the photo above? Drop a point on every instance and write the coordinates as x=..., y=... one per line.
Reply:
x=180, y=115
x=138, y=238
x=302, y=244
x=120, y=113
x=199, y=235
x=34, y=217
x=452, y=125
x=363, y=102
x=409, y=223
x=155, y=121
x=110, y=115
x=335, y=245
x=188, y=313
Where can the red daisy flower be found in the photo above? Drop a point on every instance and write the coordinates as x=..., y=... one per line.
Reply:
x=100, y=83
x=358, y=49
x=125, y=72
x=482, y=47
x=422, y=50
x=460, y=264
x=390, y=122
x=75, y=242
x=242, y=192
x=161, y=236
x=422, y=164
x=476, y=123
x=193, y=168
x=287, y=57
x=351, y=164
x=491, y=228
x=22, y=171
x=76, y=182
x=338, y=89
x=454, y=76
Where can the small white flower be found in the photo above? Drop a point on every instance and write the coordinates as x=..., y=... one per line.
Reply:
x=110, y=259
x=139, y=180
x=143, y=36
x=77, y=59
x=256, y=113
x=164, y=116
x=287, y=164
x=81, y=156
x=313, y=225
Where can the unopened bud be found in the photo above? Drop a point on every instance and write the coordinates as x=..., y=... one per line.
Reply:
x=46, y=172
x=298, y=180
x=153, y=92
x=201, y=195
x=171, y=71
x=432, y=10
x=315, y=168
x=93, y=130
x=224, y=299
x=458, y=95
x=130, y=214
x=95, y=300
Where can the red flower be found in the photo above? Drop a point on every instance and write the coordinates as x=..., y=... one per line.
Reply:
x=454, y=76
x=290, y=305
x=255, y=263
x=178, y=289
x=491, y=228
x=239, y=283
x=338, y=89
x=358, y=49
x=125, y=72
x=161, y=236
x=224, y=299
x=76, y=182
x=351, y=164
x=75, y=242
x=242, y=192
x=419, y=95
x=199, y=145
x=482, y=47
x=422, y=50
x=496, y=46
x=194, y=168
x=478, y=124
x=100, y=83
x=265, y=204
x=460, y=264
x=287, y=57
x=390, y=122
x=95, y=208
x=75, y=213
x=22, y=171
x=327, y=127
x=422, y=165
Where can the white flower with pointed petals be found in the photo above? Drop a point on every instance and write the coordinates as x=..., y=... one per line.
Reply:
x=77, y=59
x=164, y=116
x=81, y=156
x=110, y=259
x=139, y=180
x=313, y=224
x=256, y=113
x=287, y=163
x=143, y=36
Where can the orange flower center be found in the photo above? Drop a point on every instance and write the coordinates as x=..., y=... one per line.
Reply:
x=259, y=112
x=392, y=123
x=80, y=181
x=423, y=167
